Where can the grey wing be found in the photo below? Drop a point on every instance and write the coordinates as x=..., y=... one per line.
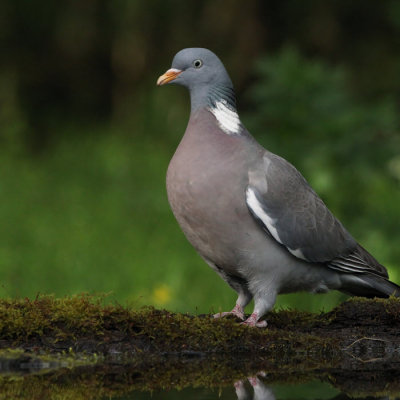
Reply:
x=288, y=209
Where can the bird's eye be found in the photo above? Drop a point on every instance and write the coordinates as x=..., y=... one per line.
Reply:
x=197, y=63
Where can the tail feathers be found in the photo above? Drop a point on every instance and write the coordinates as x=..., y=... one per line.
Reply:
x=368, y=285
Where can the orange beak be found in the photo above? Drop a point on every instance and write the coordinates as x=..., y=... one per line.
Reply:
x=169, y=76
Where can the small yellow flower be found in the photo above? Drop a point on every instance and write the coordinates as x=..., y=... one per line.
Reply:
x=161, y=294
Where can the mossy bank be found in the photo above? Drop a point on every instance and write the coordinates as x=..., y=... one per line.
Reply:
x=85, y=324
x=359, y=337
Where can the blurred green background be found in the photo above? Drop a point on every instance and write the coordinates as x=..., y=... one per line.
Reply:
x=86, y=136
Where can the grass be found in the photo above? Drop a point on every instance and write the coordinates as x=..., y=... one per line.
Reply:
x=93, y=216
x=98, y=223
x=90, y=213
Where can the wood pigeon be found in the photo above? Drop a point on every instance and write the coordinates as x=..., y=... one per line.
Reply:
x=249, y=213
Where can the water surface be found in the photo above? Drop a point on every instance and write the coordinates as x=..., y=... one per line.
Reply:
x=33, y=379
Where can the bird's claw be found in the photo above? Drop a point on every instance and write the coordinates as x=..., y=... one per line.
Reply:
x=237, y=312
x=253, y=321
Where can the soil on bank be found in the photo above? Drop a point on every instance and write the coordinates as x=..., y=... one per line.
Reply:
x=84, y=324
x=358, y=341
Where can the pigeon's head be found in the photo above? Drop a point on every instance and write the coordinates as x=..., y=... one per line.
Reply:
x=196, y=68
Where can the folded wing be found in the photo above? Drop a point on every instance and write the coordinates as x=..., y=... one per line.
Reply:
x=289, y=210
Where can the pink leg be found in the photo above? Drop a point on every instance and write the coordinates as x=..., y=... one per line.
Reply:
x=253, y=321
x=237, y=311
x=253, y=380
x=260, y=390
x=240, y=389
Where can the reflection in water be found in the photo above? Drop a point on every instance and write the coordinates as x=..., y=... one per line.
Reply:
x=261, y=391
x=252, y=388
x=30, y=378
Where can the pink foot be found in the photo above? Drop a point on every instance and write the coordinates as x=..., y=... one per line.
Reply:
x=237, y=312
x=254, y=381
x=253, y=321
x=240, y=390
x=238, y=385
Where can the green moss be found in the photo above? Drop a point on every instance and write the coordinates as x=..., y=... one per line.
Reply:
x=72, y=318
x=158, y=349
x=66, y=322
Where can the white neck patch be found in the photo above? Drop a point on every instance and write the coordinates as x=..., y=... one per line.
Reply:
x=228, y=119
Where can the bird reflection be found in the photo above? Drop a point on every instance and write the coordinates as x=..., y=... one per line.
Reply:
x=260, y=390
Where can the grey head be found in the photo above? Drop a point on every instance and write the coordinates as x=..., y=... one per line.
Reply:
x=203, y=73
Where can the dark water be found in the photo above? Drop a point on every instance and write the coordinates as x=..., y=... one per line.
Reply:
x=246, y=390
x=35, y=379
